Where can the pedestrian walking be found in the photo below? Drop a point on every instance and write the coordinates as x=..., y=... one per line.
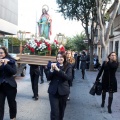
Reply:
x=78, y=61
x=83, y=60
x=34, y=75
x=59, y=89
x=8, y=85
x=88, y=61
x=109, y=82
x=71, y=60
x=74, y=54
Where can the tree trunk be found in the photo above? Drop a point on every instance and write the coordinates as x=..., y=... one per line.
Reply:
x=91, y=48
x=105, y=34
x=91, y=67
x=105, y=52
x=114, y=12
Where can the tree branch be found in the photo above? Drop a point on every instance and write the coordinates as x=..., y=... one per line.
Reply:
x=98, y=2
x=116, y=6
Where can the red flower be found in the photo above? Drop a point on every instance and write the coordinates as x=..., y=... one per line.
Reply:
x=56, y=42
x=32, y=49
x=62, y=48
x=49, y=48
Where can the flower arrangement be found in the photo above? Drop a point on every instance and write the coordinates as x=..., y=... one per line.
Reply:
x=38, y=45
x=56, y=43
x=54, y=48
x=60, y=47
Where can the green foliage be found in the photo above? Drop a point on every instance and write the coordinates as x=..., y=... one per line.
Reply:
x=12, y=41
x=83, y=10
x=76, y=43
x=76, y=9
x=69, y=45
x=26, y=50
x=54, y=50
x=15, y=41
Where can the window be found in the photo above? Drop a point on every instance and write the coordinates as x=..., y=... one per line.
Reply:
x=116, y=47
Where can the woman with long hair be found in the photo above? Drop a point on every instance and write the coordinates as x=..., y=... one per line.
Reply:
x=71, y=60
x=8, y=86
x=59, y=75
x=109, y=82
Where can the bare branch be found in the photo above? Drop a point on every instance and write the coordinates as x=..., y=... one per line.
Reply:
x=116, y=6
x=100, y=21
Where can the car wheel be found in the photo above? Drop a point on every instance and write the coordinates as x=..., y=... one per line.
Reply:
x=23, y=72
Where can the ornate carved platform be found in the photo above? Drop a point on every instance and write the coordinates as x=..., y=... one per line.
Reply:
x=35, y=59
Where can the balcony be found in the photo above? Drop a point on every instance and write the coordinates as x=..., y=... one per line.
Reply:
x=116, y=24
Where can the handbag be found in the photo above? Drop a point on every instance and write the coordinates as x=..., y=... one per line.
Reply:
x=98, y=88
x=93, y=89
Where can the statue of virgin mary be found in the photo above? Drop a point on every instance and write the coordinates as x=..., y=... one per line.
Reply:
x=44, y=23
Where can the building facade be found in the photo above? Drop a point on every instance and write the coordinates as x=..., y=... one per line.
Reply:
x=8, y=17
x=114, y=44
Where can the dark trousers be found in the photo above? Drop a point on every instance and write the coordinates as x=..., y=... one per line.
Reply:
x=58, y=105
x=42, y=69
x=78, y=64
x=10, y=92
x=34, y=83
x=83, y=73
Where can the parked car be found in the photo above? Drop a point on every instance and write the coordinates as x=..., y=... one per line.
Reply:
x=21, y=67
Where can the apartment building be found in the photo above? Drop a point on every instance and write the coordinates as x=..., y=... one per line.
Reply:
x=114, y=44
x=8, y=17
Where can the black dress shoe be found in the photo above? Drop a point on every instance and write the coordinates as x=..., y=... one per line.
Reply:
x=33, y=97
x=82, y=78
x=36, y=98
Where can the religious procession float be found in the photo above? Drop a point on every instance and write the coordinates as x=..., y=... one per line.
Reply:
x=40, y=49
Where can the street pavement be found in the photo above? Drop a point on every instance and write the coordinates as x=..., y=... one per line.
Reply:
x=82, y=105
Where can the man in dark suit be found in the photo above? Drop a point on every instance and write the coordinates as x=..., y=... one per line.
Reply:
x=34, y=75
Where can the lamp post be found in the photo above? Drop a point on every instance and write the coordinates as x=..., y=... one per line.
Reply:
x=21, y=37
x=61, y=39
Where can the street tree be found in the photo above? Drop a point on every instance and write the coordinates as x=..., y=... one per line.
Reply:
x=105, y=32
x=76, y=43
x=84, y=11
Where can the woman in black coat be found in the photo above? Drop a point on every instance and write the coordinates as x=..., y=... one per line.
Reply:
x=83, y=64
x=71, y=60
x=109, y=82
x=59, y=75
x=8, y=86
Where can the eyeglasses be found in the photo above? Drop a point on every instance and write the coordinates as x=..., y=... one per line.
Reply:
x=1, y=52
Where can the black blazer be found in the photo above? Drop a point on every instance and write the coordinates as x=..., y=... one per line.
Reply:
x=34, y=69
x=59, y=81
x=83, y=60
x=7, y=71
x=109, y=81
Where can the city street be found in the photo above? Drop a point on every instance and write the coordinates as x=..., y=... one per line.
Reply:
x=82, y=105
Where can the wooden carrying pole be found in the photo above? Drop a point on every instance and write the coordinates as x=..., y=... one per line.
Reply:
x=35, y=59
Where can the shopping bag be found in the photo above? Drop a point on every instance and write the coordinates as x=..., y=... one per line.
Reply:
x=98, y=88
x=93, y=89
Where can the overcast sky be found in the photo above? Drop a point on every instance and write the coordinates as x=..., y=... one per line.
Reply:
x=31, y=10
